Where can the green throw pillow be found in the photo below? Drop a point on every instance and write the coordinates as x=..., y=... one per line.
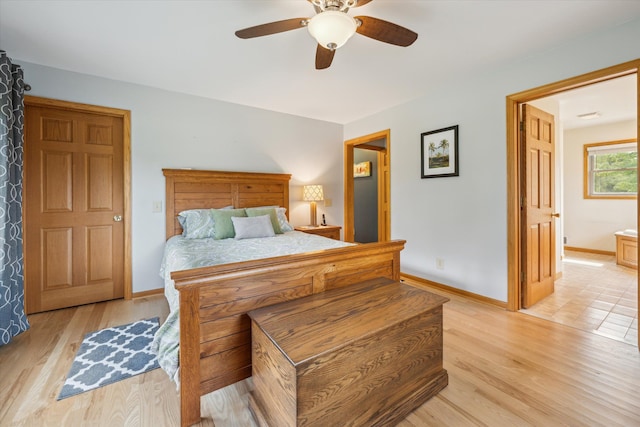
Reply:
x=266, y=211
x=223, y=227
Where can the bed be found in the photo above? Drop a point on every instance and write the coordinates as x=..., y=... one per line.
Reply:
x=214, y=329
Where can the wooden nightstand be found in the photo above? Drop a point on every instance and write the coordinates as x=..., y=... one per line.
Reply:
x=330, y=231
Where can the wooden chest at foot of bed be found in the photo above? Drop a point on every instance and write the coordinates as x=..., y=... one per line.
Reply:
x=364, y=355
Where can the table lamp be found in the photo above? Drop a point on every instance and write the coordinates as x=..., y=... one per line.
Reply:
x=313, y=194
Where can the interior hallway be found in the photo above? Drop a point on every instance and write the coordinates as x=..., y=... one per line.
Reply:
x=594, y=294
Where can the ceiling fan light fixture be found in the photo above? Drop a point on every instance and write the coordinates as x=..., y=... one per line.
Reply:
x=332, y=29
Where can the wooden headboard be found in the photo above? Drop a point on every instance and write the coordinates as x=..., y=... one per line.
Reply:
x=200, y=189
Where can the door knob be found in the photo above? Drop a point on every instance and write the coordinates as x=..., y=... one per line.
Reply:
x=117, y=218
x=556, y=214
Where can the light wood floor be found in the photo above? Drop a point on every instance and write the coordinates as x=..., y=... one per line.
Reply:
x=505, y=369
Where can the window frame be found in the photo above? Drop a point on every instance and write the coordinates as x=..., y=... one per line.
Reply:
x=587, y=171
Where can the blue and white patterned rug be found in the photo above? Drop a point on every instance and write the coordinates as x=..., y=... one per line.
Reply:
x=110, y=355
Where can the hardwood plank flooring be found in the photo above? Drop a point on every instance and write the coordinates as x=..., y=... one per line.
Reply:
x=505, y=369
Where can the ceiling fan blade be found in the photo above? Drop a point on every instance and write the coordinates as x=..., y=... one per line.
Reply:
x=385, y=31
x=272, y=28
x=324, y=57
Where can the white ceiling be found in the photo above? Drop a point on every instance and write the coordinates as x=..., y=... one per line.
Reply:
x=190, y=46
x=612, y=100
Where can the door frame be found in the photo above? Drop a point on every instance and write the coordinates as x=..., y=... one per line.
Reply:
x=384, y=185
x=125, y=115
x=514, y=174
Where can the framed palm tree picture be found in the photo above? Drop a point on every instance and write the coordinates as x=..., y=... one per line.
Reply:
x=440, y=153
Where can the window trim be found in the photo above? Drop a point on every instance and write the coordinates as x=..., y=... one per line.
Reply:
x=585, y=174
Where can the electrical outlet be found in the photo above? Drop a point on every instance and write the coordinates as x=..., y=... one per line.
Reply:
x=439, y=263
x=327, y=203
x=157, y=206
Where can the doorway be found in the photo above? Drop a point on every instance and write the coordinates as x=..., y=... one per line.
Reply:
x=77, y=229
x=515, y=267
x=376, y=145
x=365, y=194
x=591, y=291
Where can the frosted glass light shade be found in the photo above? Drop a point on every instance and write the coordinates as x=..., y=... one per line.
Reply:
x=331, y=28
x=312, y=193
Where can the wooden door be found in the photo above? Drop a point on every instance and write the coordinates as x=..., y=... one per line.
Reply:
x=74, y=207
x=538, y=239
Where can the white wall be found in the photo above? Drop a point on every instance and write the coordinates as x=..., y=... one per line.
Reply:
x=590, y=223
x=463, y=219
x=459, y=219
x=170, y=130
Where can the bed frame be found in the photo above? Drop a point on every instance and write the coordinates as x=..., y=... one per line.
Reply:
x=215, y=331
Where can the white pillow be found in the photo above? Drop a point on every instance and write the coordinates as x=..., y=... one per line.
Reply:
x=252, y=227
x=282, y=219
x=196, y=223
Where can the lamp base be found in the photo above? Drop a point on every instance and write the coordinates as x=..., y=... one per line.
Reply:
x=313, y=216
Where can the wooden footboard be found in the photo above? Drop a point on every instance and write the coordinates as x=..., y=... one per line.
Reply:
x=215, y=331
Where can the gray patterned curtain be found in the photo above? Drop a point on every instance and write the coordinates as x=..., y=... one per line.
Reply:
x=13, y=320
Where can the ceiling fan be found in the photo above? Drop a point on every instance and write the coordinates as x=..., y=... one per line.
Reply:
x=332, y=27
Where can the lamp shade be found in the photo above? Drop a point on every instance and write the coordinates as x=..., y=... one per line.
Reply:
x=312, y=193
x=332, y=29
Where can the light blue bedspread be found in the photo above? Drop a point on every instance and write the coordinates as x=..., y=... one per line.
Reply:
x=184, y=254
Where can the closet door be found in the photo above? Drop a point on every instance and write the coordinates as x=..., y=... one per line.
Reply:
x=74, y=202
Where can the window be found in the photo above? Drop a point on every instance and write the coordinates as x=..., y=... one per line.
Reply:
x=611, y=170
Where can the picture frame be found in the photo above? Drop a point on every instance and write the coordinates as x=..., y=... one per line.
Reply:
x=439, y=153
x=362, y=169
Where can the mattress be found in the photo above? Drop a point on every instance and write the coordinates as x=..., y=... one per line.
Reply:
x=184, y=254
